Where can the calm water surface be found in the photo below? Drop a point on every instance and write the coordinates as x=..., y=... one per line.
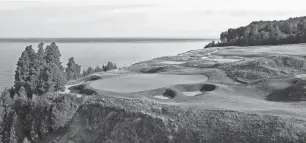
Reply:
x=93, y=54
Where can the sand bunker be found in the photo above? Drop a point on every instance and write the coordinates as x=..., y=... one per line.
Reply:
x=203, y=88
x=192, y=93
x=172, y=62
x=208, y=87
x=195, y=90
x=221, y=60
x=168, y=94
x=161, y=97
x=142, y=82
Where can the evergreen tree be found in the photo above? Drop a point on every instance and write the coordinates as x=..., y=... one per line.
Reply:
x=27, y=71
x=115, y=66
x=45, y=82
x=103, y=67
x=73, y=70
x=59, y=79
x=109, y=66
x=53, y=55
x=98, y=69
x=84, y=72
x=41, y=51
x=90, y=70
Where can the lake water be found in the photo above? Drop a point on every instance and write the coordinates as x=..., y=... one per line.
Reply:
x=93, y=54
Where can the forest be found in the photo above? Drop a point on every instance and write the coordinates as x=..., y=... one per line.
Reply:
x=34, y=106
x=42, y=71
x=289, y=31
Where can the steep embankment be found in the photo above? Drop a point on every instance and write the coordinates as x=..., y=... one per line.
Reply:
x=111, y=119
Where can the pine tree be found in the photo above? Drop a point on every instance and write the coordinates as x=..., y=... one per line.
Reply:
x=41, y=72
x=27, y=71
x=89, y=71
x=59, y=79
x=73, y=70
x=103, y=67
x=115, y=66
x=70, y=71
x=109, y=66
x=53, y=55
x=12, y=133
x=41, y=51
x=52, y=58
x=98, y=69
x=45, y=82
x=84, y=72
x=22, y=71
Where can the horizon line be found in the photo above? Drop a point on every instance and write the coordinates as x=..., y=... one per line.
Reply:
x=103, y=39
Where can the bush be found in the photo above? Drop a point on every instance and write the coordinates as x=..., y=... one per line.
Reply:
x=72, y=82
x=37, y=118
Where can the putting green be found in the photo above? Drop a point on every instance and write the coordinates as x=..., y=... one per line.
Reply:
x=142, y=82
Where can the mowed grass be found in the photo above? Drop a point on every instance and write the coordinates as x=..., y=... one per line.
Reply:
x=142, y=82
x=294, y=49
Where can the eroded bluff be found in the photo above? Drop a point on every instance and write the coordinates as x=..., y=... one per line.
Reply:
x=103, y=119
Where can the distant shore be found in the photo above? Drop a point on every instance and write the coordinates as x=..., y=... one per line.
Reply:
x=102, y=40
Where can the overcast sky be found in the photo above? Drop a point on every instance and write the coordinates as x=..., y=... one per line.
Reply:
x=138, y=18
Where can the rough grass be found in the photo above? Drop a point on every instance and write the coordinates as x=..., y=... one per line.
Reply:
x=158, y=69
x=262, y=68
x=113, y=120
x=92, y=77
x=295, y=92
x=72, y=82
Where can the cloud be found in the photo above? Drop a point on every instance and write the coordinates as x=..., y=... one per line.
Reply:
x=150, y=18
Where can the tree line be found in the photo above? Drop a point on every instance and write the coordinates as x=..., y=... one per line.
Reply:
x=42, y=71
x=109, y=66
x=39, y=72
x=25, y=118
x=289, y=31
